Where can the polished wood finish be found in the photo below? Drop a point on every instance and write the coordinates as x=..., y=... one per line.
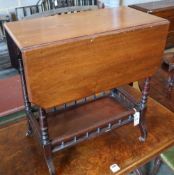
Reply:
x=164, y=9
x=94, y=156
x=72, y=73
x=46, y=31
x=91, y=44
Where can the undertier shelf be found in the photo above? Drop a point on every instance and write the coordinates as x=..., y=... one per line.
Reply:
x=89, y=118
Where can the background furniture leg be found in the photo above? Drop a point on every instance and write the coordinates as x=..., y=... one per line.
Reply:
x=157, y=164
x=46, y=141
x=138, y=171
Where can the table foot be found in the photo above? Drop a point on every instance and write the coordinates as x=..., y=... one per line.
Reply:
x=48, y=159
x=29, y=132
x=143, y=131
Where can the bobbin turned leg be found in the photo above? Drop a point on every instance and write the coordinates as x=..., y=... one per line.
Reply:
x=46, y=141
x=142, y=106
x=27, y=104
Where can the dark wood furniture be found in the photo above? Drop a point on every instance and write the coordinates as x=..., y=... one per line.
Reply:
x=164, y=9
x=162, y=86
x=162, y=90
x=73, y=64
x=93, y=156
x=168, y=62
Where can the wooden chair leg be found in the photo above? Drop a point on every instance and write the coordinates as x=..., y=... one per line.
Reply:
x=138, y=171
x=142, y=106
x=46, y=141
x=156, y=166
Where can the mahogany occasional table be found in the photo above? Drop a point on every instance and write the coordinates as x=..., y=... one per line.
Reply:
x=72, y=66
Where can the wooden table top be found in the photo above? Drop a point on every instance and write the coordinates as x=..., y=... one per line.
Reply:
x=65, y=28
x=121, y=146
x=155, y=6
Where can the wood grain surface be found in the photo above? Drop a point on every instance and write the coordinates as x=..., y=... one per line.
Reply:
x=57, y=74
x=32, y=33
x=94, y=51
x=92, y=157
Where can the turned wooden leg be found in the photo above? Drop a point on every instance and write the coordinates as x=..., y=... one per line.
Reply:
x=156, y=166
x=46, y=141
x=27, y=104
x=138, y=171
x=142, y=106
x=142, y=126
x=48, y=158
